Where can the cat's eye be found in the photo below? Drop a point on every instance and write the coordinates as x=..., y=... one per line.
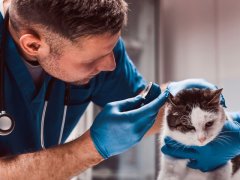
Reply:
x=209, y=124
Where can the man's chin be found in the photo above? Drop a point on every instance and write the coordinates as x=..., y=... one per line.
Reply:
x=78, y=83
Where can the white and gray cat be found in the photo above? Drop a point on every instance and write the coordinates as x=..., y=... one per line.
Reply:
x=194, y=117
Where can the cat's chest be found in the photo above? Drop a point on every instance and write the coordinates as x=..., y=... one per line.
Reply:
x=178, y=168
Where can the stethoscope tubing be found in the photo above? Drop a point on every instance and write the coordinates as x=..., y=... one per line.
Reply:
x=43, y=120
x=66, y=102
x=42, y=124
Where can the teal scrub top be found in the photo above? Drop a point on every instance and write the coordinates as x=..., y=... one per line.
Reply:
x=25, y=103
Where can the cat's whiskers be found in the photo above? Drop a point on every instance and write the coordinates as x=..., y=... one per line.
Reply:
x=226, y=132
x=223, y=139
x=220, y=142
x=224, y=135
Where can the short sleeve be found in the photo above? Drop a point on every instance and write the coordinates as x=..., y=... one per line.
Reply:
x=122, y=83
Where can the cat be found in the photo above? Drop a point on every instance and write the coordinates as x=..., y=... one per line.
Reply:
x=193, y=117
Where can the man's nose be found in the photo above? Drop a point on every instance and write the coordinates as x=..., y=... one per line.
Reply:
x=108, y=63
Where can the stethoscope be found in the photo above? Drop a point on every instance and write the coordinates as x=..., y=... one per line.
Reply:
x=7, y=122
x=66, y=102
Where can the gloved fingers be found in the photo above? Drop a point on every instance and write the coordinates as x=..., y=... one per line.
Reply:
x=136, y=102
x=154, y=92
x=195, y=165
x=159, y=101
x=151, y=108
x=142, y=125
x=192, y=164
x=180, y=152
x=129, y=104
x=230, y=127
x=175, y=87
x=169, y=141
x=235, y=116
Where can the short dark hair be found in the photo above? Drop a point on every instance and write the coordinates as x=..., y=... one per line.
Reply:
x=70, y=19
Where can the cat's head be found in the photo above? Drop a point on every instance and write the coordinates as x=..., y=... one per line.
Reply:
x=194, y=116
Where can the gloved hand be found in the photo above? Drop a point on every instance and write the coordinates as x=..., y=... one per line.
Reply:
x=235, y=116
x=211, y=156
x=175, y=87
x=122, y=124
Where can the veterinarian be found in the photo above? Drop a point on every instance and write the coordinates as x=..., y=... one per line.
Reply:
x=56, y=57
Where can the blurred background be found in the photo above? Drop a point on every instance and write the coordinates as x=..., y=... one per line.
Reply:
x=171, y=40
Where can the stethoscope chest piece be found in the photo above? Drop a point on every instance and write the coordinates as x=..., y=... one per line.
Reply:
x=7, y=124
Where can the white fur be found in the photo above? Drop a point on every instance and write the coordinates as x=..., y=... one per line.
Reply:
x=236, y=176
x=176, y=169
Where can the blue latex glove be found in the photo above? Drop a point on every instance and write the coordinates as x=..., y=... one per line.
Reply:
x=122, y=124
x=211, y=156
x=235, y=116
x=175, y=87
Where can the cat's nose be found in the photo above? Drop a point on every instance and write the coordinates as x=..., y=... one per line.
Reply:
x=202, y=139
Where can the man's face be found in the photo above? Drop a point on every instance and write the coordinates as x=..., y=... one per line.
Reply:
x=78, y=64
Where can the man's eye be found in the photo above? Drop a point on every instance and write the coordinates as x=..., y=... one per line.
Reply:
x=209, y=124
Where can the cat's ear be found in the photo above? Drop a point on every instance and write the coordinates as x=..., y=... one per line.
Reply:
x=215, y=97
x=171, y=99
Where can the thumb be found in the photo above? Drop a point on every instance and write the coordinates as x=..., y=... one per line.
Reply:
x=162, y=98
x=130, y=104
x=180, y=152
x=152, y=107
x=192, y=164
x=195, y=165
x=158, y=102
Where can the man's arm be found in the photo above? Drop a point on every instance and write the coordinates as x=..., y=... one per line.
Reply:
x=67, y=160
x=61, y=162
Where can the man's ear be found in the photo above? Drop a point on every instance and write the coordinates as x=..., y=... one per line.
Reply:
x=32, y=46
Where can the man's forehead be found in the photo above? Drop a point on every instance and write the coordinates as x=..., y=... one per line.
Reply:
x=105, y=41
x=96, y=47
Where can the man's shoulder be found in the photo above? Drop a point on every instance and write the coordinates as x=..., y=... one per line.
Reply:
x=120, y=51
x=119, y=46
